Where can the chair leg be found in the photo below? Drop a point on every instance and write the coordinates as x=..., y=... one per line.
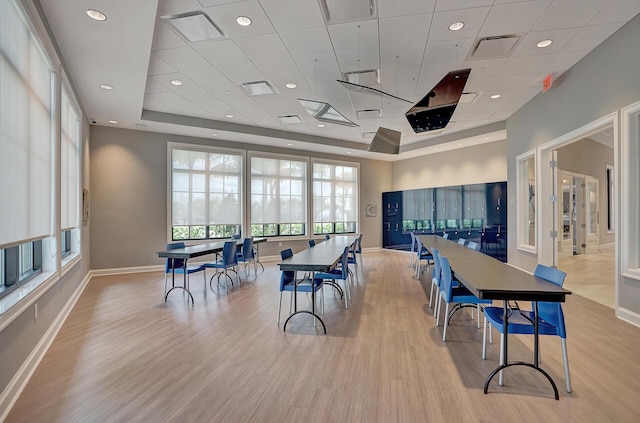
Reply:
x=279, y=307
x=165, y=283
x=433, y=285
x=479, y=316
x=438, y=310
x=484, y=340
x=204, y=282
x=500, y=378
x=446, y=323
x=565, y=358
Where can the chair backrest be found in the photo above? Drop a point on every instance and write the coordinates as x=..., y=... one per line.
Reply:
x=312, y=243
x=461, y=241
x=473, y=245
x=445, y=235
x=235, y=236
x=418, y=246
x=437, y=269
x=286, y=275
x=229, y=253
x=446, y=278
x=359, y=244
x=247, y=248
x=177, y=263
x=345, y=263
x=327, y=236
x=413, y=241
x=548, y=311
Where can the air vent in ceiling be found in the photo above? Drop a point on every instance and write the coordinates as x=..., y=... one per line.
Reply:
x=193, y=26
x=258, y=88
x=468, y=97
x=368, y=135
x=369, y=113
x=494, y=47
x=365, y=77
x=345, y=11
x=290, y=119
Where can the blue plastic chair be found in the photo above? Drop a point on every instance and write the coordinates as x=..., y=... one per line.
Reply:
x=327, y=236
x=352, y=258
x=550, y=320
x=341, y=272
x=459, y=296
x=247, y=255
x=412, y=251
x=422, y=254
x=177, y=266
x=435, y=279
x=228, y=261
x=312, y=243
x=288, y=282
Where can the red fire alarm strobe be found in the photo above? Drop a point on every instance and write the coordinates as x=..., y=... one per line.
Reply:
x=547, y=82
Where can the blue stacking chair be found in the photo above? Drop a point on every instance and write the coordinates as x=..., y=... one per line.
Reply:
x=177, y=266
x=435, y=279
x=341, y=272
x=247, y=255
x=288, y=282
x=327, y=236
x=413, y=249
x=352, y=258
x=228, y=261
x=422, y=254
x=312, y=243
x=550, y=320
x=459, y=296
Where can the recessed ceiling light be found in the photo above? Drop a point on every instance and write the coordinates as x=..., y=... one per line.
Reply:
x=106, y=86
x=96, y=15
x=214, y=135
x=289, y=144
x=176, y=82
x=456, y=26
x=291, y=85
x=496, y=96
x=243, y=20
x=113, y=121
x=544, y=43
x=321, y=125
x=486, y=138
x=229, y=115
x=459, y=144
x=348, y=152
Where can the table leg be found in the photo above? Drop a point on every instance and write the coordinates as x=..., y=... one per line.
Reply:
x=536, y=353
x=184, y=287
x=313, y=304
x=257, y=258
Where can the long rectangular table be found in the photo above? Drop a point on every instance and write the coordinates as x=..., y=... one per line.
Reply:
x=193, y=251
x=492, y=279
x=322, y=257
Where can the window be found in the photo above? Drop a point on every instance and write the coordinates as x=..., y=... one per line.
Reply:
x=611, y=200
x=335, y=198
x=206, y=193
x=278, y=197
x=526, y=210
x=69, y=176
x=26, y=149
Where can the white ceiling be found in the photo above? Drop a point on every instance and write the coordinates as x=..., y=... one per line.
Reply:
x=138, y=53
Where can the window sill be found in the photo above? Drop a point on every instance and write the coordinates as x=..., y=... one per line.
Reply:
x=13, y=305
x=69, y=261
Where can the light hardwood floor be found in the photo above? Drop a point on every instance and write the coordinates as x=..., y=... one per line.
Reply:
x=592, y=275
x=124, y=355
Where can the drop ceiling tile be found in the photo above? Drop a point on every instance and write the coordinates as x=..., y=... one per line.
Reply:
x=560, y=37
x=183, y=58
x=404, y=30
x=508, y=82
x=352, y=61
x=154, y=87
x=211, y=79
x=174, y=7
x=280, y=72
x=450, y=52
x=486, y=67
x=392, y=8
x=157, y=66
x=590, y=37
x=263, y=47
x=308, y=41
x=523, y=65
x=462, y=4
x=565, y=14
x=274, y=105
x=297, y=14
x=164, y=37
x=318, y=64
x=617, y=11
x=177, y=102
x=165, y=81
x=221, y=52
x=405, y=55
x=473, y=19
x=559, y=63
x=206, y=101
x=352, y=36
x=513, y=18
x=241, y=73
x=225, y=17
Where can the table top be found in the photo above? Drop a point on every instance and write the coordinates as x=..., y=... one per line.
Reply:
x=489, y=278
x=199, y=250
x=321, y=258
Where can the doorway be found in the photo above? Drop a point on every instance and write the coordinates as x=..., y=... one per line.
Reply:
x=579, y=179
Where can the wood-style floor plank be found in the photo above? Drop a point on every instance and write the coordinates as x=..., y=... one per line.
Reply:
x=124, y=355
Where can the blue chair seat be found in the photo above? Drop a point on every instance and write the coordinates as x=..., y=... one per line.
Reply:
x=177, y=267
x=518, y=323
x=288, y=283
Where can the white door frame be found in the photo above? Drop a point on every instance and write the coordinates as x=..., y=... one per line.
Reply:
x=548, y=246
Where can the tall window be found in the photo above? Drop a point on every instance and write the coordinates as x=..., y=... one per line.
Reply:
x=206, y=193
x=278, y=197
x=69, y=175
x=335, y=198
x=26, y=147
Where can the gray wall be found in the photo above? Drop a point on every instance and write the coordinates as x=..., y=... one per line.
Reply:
x=129, y=195
x=589, y=157
x=603, y=82
x=471, y=165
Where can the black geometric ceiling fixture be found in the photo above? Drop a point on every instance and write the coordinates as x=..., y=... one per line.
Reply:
x=435, y=109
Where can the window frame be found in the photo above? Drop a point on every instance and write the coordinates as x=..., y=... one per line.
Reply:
x=306, y=194
x=331, y=226
x=524, y=202
x=171, y=146
x=611, y=198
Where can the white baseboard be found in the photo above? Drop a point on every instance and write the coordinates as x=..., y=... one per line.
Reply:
x=13, y=390
x=628, y=316
x=125, y=270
